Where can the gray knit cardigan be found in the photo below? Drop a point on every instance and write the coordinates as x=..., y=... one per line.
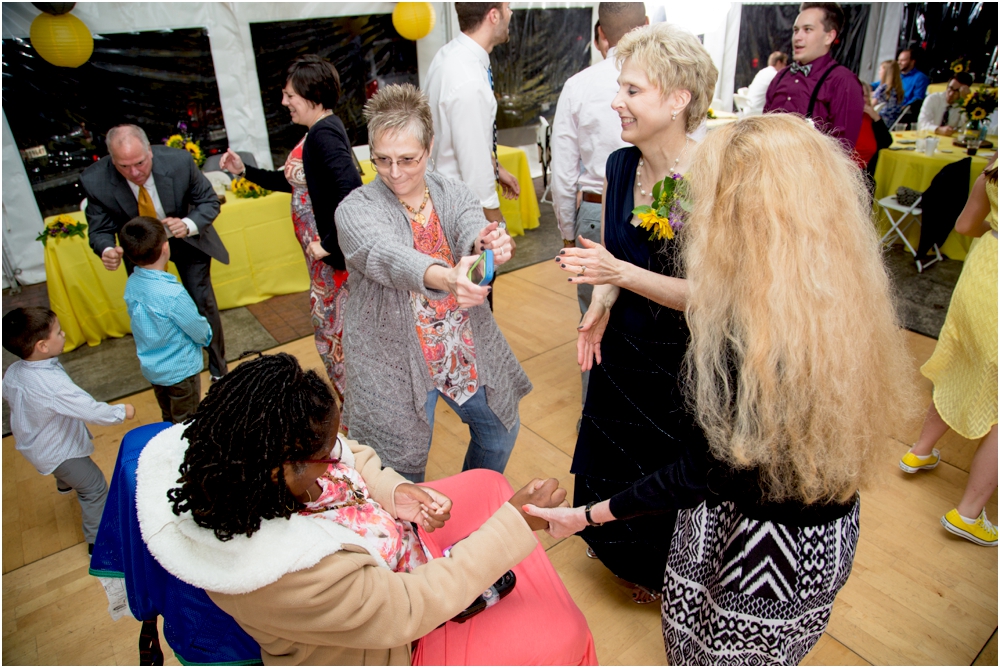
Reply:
x=387, y=376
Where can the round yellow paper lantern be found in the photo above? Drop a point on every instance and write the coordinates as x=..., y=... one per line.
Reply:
x=62, y=40
x=413, y=20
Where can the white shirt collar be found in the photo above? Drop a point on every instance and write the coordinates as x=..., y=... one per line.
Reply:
x=473, y=45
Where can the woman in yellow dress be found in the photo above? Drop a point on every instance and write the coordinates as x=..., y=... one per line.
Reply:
x=963, y=369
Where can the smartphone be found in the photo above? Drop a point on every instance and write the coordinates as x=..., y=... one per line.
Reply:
x=481, y=272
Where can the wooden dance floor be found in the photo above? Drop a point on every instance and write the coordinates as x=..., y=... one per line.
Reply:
x=917, y=595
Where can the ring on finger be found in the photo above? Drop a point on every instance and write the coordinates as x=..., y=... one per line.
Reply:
x=583, y=270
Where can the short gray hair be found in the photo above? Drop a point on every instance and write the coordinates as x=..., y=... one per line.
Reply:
x=120, y=132
x=400, y=107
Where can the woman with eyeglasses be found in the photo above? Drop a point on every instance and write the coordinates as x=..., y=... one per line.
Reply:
x=319, y=172
x=326, y=558
x=416, y=326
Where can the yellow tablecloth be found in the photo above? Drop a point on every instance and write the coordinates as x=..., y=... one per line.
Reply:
x=916, y=170
x=942, y=87
x=265, y=259
x=522, y=213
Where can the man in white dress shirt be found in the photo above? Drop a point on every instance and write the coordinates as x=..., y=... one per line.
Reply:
x=939, y=113
x=758, y=87
x=459, y=88
x=585, y=131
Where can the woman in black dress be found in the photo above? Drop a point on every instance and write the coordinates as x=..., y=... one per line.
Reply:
x=634, y=418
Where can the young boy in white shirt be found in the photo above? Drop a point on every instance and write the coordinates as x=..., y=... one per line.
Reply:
x=48, y=412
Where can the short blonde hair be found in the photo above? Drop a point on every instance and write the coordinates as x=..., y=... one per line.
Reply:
x=397, y=108
x=673, y=59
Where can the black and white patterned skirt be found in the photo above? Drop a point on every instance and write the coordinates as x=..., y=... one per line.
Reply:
x=739, y=591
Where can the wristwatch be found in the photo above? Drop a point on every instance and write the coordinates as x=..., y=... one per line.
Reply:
x=586, y=513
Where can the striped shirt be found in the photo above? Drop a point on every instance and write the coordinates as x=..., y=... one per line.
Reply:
x=169, y=332
x=48, y=412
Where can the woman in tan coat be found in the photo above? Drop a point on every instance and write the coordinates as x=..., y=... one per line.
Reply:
x=312, y=546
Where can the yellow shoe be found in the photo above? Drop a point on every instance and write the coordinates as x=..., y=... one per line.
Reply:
x=981, y=533
x=912, y=463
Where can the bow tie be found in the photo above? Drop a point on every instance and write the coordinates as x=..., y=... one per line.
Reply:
x=805, y=69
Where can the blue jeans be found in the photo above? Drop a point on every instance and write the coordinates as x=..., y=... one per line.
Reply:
x=490, y=443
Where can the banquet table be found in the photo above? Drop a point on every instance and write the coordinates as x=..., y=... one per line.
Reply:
x=942, y=87
x=265, y=259
x=898, y=167
x=522, y=213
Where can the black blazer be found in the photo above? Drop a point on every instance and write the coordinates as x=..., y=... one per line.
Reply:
x=183, y=190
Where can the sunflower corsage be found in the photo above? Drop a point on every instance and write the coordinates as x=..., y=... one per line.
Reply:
x=247, y=189
x=61, y=227
x=670, y=207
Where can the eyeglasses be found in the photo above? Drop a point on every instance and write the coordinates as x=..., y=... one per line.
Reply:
x=955, y=89
x=337, y=447
x=405, y=164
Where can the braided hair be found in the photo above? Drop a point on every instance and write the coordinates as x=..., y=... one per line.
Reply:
x=268, y=411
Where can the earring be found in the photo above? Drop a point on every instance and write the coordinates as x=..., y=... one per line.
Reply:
x=433, y=165
x=673, y=116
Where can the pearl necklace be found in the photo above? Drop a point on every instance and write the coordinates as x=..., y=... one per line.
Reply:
x=673, y=168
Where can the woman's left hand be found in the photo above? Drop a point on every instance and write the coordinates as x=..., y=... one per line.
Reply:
x=424, y=505
x=316, y=251
x=592, y=264
x=496, y=239
x=563, y=522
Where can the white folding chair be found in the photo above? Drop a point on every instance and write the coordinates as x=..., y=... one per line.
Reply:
x=543, y=138
x=898, y=214
x=742, y=103
x=902, y=115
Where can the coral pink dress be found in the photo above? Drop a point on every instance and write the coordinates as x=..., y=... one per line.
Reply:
x=327, y=286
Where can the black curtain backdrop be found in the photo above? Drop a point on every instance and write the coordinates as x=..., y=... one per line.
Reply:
x=768, y=28
x=154, y=79
x=948, y=32
x=546, y=47
x=366, y=50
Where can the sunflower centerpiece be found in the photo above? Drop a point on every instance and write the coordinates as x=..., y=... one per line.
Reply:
x=978, y=105
x=184, y=141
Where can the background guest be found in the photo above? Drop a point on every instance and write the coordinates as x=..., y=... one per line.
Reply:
x=915, y=82
x=634, y=422
x=164, y=183
x=794, y=419
x=585, y=131
x=889, y=92
x=319, y=172
x=459, y=87
x=757, y=91
x=600, y=41
x=963, y=369
x=815, y=85
x=941, y=112
x=416, y=328
x=873, y=136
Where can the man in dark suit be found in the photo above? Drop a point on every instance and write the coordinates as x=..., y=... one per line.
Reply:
x=164, y=183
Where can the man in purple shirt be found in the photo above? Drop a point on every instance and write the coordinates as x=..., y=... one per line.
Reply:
x=815, y=85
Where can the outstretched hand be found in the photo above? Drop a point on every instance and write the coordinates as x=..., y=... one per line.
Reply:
x=591, y=331
x=231, y=162
x=592, y=264
x=423, y=505
x=539, y=493
x=563, y=522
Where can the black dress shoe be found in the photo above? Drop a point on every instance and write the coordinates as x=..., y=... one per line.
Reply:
x=90, y=549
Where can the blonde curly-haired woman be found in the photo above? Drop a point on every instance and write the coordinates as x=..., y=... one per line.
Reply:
x=795, y=360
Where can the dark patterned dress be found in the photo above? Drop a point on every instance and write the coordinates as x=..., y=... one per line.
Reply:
x=327, y=286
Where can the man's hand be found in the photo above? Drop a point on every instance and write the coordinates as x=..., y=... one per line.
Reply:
x=129, y=411
x=509, y=186
x=945, y=130
x=415, y=503
x=177, y=227
x=112, y=257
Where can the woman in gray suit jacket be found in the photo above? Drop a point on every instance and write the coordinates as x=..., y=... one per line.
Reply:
x=416, y=328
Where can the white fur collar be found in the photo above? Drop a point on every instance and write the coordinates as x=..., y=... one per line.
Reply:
x=194, y=555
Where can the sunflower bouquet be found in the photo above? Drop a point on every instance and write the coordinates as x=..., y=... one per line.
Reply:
x=189, y=145
x=61, y=227
x=670, y=206
x=245, y=189
x=979, y=104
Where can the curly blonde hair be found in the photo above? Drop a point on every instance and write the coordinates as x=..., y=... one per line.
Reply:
x=398, y=108
x=672, y=59
x=796, y=358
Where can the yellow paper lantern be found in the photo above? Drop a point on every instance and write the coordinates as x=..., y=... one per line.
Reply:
x=413, y=20
x=62, y=40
